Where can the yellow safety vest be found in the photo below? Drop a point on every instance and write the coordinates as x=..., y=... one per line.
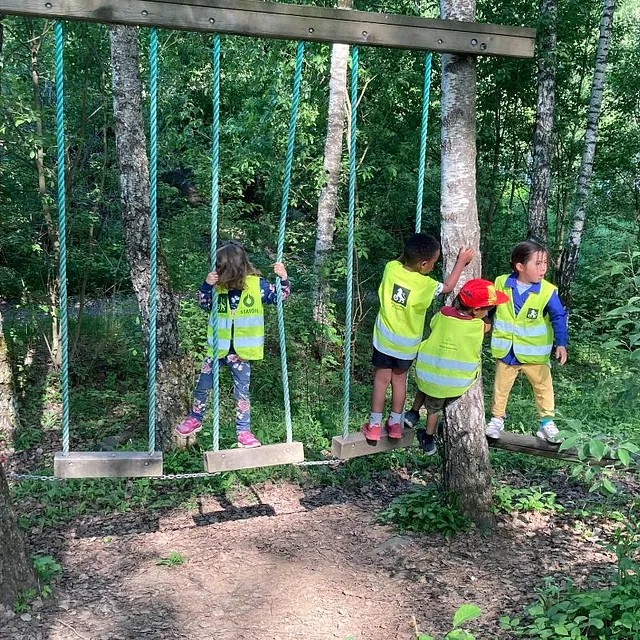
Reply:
x=405, y=297
x=449, y=359
x=530, y=332
x=246, y=324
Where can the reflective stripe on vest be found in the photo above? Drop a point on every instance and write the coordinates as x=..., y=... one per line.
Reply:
x=246, y=324
x=530, y=332
x=404, y=297
x=448, y=360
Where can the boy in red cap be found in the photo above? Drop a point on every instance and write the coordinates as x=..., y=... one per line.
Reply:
x=448, y=360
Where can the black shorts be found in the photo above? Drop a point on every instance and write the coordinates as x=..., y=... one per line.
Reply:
x=383, y=361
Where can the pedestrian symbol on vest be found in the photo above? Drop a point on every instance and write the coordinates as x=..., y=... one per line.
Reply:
x=400, y=295
x=249, y=300
x=532, y=314
x=222, y=303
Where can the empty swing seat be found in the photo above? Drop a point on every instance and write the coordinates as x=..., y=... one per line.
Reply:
x=268, y=455
x=107, y=464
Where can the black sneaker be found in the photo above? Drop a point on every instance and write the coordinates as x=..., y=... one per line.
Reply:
x=411, y=419
x=426, y=442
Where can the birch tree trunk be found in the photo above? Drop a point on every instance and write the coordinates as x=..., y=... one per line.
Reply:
x=466, y=454
x=543, y=136
x=571, y=252
x=8, y=407
x=328, y=200
x=172, y=393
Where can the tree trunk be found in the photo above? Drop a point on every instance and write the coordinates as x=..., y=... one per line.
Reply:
x=172, y=393
x=571, y=252
x=16, y=572
x=328, y=199
x=8, y=407
x=466, y=461
x=543, y=136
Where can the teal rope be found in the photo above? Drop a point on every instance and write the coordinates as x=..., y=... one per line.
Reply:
x=295, y=100
x=350, y=230
x=215, y=196
x=423, y=140
x=62, y=233
x=153, y=231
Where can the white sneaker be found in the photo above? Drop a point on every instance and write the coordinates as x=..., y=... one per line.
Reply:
x=549, y=432
x=495, y=428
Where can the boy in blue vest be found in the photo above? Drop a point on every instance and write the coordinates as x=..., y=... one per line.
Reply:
x=406, y=292
x=448, y=360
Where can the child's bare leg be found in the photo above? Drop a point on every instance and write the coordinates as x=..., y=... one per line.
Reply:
x=381, y=381
x=418, y=402
x=398, y=390
x=432, y=423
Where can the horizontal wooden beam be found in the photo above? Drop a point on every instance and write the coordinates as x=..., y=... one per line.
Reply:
x=107, y=464
x=355, y=445
x=267, y=455
x=291, y=22
x=537, y=447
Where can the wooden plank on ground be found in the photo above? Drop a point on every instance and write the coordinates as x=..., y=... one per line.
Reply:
x=268, y=455
x=537, y=447
x=355, y=445
x=292, y=22
x=107, y=464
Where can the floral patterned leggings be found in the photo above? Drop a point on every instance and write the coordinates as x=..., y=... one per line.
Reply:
x=241, y=374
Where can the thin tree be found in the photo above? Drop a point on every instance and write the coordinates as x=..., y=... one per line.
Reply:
x=328, y=199
x=133, y=168
x=571, y=252
x=466, y=460
x=543, y=136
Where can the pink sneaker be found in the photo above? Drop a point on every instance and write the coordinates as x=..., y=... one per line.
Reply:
x=188, y=427
x=394, y=431
x=372, y=432
x=247, y=440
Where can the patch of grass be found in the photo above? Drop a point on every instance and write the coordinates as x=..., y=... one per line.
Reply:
x=425, y=511
x=173, y=559
x=508, y=499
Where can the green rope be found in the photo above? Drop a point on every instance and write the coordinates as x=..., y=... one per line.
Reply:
x=350, y=230
x=215, y=194
x=295, y=99
x=62, y=233
x=423, y=140
x=153, y=231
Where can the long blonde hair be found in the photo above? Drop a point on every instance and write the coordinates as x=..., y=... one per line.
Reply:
x=233, y=266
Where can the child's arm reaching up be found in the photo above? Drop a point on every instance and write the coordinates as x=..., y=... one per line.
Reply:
x=464, y=258
x=206, y=291
x=269, y=294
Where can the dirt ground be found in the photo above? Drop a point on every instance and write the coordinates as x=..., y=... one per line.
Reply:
x=281, y=562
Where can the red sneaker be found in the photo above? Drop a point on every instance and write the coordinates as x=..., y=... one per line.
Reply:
x=247, y=440
x=394, y=431
x=372, y=431
x=189, y=427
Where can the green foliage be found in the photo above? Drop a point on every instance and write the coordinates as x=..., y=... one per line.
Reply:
x=46, y=568
x=173, y=559
x=623, y=453
x=425, y=511
x=508, y=499
x=464, y=614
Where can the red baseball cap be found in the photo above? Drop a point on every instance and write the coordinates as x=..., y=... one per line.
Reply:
x=481, y=293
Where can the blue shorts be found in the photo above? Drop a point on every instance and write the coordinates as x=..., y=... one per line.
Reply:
x=383, y=361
